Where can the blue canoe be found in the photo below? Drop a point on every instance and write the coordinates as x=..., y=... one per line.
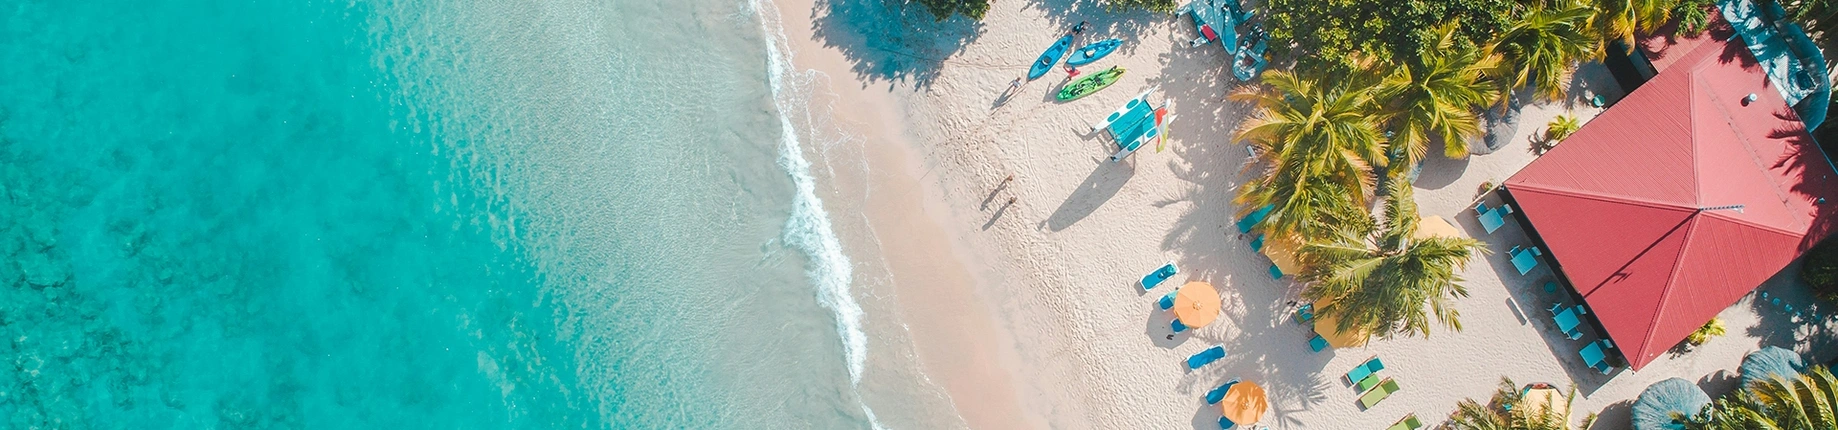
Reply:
x=1093, y=51
x=1049, y=58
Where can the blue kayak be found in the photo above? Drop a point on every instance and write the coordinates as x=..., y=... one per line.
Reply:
x=1049, y=58
x=1093, y=51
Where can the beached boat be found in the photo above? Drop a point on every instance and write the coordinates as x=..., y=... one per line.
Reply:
x=1050, y=57
x=1087, y=85
x=1093, y=51
x=1249, y=62
x=1132, y=111
x=1149, y=128
x=1214, y=22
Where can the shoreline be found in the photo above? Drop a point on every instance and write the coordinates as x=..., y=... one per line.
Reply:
x=938, y=296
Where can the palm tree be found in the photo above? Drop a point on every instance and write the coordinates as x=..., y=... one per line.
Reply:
x=1380, y=278
x=1807, y=402
x=1507, y=411
x=1319, y=142
x=1437, y=98
x=1619, y=19
x=1538, y=49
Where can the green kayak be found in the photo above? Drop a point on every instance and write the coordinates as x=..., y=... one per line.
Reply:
x=1090, y=84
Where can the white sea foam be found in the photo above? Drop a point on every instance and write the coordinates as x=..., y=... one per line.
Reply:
x=809, y=228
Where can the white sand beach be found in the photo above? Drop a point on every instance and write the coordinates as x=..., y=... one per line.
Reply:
x=1027, y=313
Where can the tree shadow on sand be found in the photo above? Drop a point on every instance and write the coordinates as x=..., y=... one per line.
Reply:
x=885, y=41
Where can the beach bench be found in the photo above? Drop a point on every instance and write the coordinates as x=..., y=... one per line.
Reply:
x=1364, y=370
x=1206, y=357
x=1378, y=394
x=1156, y=277
x=1409, y=422
x=1217, y=394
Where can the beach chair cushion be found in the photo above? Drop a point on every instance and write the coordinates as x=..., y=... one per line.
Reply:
x=1365, y=370
x=1409, y=422
x=1227, y=424
x=1177, y=326
x=1366, y=383
x=1378, y=394
x=1317, y=344
x=1305, y=314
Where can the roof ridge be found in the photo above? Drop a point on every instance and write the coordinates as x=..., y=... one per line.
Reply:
x=1665, y=293
x=1747, y=146
x=1603, y=197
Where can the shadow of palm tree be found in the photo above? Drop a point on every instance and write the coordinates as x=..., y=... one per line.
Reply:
x=888, y=41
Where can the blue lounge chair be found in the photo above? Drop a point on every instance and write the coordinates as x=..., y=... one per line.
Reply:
x=1227, y=424
x=1276, y=272
x=1317, y=343
x=1255, y=217
x=1257, y=245
x=1219, y=393
x=1161, y=274
x=1206, y=357
x=1177, y=326
x=1167, y=301
x=1305, y=313
x=1365, y=369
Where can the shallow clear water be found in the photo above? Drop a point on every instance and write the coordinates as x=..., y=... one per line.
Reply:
x=433, y=214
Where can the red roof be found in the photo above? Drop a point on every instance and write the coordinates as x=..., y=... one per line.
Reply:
x=1621, y=203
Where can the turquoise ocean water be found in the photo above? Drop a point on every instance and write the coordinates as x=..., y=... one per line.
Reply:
x=412, y=214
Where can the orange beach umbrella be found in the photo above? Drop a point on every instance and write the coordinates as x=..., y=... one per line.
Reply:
x=1328, y=327
x=1196, y=304
x=1244, y=403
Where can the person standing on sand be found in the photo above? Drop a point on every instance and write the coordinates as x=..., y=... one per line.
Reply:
x=1078, y=28
x=1071, y=72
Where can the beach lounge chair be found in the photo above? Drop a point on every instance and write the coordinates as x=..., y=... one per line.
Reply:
x=1156, y=277
x=1177, y=326
x=1378, y=394
x=1217, y=394
x=1251, y=220
x=1366, y=383
x=1167, y=301
x=1257, y=245
x=1409, y=422
x=1276, y=272
x=1206, y=357
x=1363, y=370
x=1305, y=313
x=1227, y=424
x=1317, y=343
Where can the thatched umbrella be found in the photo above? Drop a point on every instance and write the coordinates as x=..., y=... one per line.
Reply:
x=1770, y=362
x=1664, y=403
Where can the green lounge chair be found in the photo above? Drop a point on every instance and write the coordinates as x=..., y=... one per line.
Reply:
x=1384, y=389
x=1364, y=371
x=1366, y=383
x=1408, y=423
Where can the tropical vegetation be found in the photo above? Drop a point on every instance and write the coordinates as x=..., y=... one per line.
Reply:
x=1619, y=20
x=1710, y=329
x=942, y=9
x=1435, y=97
x=1150, y=5
x=1806, y=402
x=1325, y=33
x=1319, y=140
x=1380, y=277
x=1819, y=269
x=1508, y=410
x=1539, y=49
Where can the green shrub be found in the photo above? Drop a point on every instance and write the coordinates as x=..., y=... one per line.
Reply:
x=943, y=9
x=1820, y=270
x=1151, y=5
x=1712, y=328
